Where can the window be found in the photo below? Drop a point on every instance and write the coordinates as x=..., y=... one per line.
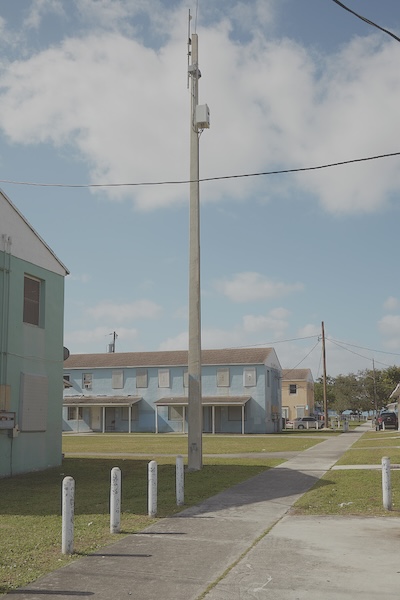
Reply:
x=67, y=377
x=249, y=376
x=285, y=412
x=163, y=378
x=31, y=300
x=117, y=380
x=175, y=413
x=292, y=388
x=87, y=381
x=141, y=378
x=134, y=413
x=223, y=377
x=234, y=413
x=75, y=413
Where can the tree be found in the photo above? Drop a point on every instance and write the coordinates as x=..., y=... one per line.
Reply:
x=319, y=391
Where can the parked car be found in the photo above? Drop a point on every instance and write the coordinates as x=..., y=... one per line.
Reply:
x=307, y=423
x=387, y=419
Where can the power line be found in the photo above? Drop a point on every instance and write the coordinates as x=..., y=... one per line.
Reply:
x=357, y=353
x=366, y=20
x=186, y=181
x=363, y=348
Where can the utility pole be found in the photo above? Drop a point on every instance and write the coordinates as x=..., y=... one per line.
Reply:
x=111, y=347
x=199, y=119
x=375, y=394
x=324, y=379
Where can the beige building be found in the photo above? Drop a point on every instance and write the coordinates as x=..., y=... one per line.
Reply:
x=297, y=393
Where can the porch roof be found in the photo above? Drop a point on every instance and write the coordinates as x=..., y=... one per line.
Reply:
x=205, y=401
x=101, y=400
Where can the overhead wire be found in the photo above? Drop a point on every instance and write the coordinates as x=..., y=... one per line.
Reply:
x=203, y=179
x=395, y=37
x=357, y=353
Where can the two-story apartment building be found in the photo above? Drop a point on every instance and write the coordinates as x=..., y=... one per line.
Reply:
x=297, y=393
x=148, y=391
x=31, y=346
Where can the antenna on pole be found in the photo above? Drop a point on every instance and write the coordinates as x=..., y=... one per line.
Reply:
x=111, y=347
x=189, y=53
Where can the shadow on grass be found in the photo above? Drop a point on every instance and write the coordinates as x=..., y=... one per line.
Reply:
x=40, y=493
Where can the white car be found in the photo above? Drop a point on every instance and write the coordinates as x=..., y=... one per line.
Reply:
x=307, y=423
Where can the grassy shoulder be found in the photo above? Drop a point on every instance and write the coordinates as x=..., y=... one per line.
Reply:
x=358, y=491
x=152, y=445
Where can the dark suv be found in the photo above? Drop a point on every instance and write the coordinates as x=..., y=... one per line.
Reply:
x=387, y=419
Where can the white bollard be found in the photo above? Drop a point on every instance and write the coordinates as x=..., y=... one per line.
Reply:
x=386, y=484
x=180, y=481
x=115, y=500
x=68, y=503
x=152, y=488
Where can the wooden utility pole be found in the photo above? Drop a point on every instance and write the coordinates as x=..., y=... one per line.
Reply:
x=324, y=378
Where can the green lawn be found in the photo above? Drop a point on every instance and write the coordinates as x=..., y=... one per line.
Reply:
x=152, y=444
x=31, y=503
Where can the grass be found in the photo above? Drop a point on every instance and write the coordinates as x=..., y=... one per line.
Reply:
x=357, y=492
x=32, y=503
x=346, y=493
x=152, y=445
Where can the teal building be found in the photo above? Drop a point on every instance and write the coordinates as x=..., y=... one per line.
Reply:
x=31, y=346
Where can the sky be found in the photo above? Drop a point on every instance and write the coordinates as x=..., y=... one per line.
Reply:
x=94, y=92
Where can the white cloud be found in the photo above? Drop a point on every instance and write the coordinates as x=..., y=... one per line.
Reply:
x=274, y=104
x=391, y=303
x=119, y=313
x=260, y=323
x=83, y=278
x=309, y=330
x=251, y=287
x=389, y=327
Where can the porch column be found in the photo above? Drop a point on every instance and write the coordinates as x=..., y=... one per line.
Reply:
x=213, y=419
x=104, y=419
x=156, y=415
x=130, y=419
x=242, y=419
x=184, y=419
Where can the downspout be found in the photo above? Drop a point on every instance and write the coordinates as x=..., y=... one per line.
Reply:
x=5, y=305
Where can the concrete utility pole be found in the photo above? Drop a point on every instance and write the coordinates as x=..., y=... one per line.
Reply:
x=199, y=119
x=324, y=378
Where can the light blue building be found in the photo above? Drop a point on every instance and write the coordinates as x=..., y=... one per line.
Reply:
x=31, y=346
x=148, y=391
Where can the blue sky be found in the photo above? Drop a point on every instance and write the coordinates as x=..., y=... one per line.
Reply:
x=94, y=92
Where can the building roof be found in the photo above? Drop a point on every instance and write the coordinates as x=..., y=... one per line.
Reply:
x=168, y=358
x=297, y=375
x=26, y=243
x=205, y=401
x=100, y=400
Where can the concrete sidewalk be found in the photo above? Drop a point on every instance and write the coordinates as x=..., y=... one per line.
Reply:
x=240, y=544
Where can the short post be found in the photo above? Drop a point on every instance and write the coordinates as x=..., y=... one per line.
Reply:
x=68, y=503
x=386, y=484
x=152, y=488
x=180, y=485
x=115, y=500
